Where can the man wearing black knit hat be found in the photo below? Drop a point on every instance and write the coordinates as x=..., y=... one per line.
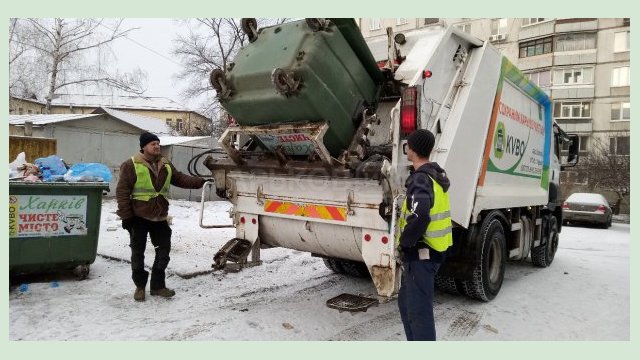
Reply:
x=142, y=192
x=422, y=237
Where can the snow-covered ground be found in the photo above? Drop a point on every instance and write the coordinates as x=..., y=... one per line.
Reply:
x=584, y=295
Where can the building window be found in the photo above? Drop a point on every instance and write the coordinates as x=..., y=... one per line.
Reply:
x=536, y=47
x=620, y=76
x=169, y=122
x=572, y=110
x=583, y=144
x=499, y=26
x=464, y=27
x=29, y=112
x=621, y=111
x=621, y=42
x=540, y=78
x=531, y=21
x=573, y=76
x=374, y=24
x=20, y=111
x=179, y=124
x=401, y=21
x=619, y=145
x=579, y=41
x=429, y=21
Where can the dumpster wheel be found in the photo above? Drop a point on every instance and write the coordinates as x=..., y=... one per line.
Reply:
x=250, y=27
x=81, y=271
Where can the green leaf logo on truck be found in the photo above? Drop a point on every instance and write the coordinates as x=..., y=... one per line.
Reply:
x=499, y=141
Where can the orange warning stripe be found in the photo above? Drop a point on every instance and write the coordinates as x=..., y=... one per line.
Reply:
x=306, y=210
x=489, y=142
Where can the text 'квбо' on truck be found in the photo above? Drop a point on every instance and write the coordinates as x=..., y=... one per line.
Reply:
x=315, y=160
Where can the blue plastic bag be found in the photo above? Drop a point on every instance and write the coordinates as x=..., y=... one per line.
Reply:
x=88, y=172
x=52, y=168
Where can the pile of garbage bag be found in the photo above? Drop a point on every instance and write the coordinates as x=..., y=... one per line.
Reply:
x=53, y=169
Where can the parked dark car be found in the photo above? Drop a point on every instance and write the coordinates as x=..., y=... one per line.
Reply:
x=587, y=208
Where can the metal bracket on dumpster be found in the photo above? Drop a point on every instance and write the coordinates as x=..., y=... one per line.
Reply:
x=315, y=133
x=356, y=150
x=235, y=250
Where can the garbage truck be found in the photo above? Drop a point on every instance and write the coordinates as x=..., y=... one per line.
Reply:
x=317, y=160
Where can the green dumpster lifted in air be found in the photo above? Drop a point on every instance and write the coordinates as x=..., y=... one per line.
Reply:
x=312, y=70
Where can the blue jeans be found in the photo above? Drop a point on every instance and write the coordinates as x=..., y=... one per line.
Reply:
x=415, y=299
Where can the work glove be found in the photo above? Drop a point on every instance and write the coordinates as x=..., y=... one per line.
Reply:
x=128, y=223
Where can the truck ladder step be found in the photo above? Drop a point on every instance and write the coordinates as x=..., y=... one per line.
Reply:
x=235, y=250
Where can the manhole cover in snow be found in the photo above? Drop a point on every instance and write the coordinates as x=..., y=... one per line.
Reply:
x=350, y=302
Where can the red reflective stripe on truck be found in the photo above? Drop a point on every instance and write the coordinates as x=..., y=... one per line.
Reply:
x=335, y=214
x=272, y=206
x=306, y=210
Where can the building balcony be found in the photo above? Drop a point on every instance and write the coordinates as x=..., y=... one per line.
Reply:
x=575, y=57
x=575, y=125
x=576, y=25
x=541, y=29
x=573, y=92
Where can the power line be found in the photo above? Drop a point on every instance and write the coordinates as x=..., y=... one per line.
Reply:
x=143, y=46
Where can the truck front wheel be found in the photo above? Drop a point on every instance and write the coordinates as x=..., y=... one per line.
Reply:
x=542, y=256
x=489, y=274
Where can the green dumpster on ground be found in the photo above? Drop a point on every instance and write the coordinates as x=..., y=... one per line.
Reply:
x=54, y=226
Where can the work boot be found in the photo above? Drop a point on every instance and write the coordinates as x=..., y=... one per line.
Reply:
x=164, y=292
x=139, y=294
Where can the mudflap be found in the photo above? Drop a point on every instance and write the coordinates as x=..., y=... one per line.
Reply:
x=351, y=303
x=235, y=250
x=384, y=279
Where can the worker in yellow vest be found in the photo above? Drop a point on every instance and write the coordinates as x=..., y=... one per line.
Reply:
x=422, y=237
x=142, y=193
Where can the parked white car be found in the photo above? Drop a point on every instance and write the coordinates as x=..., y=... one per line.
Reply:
x=587, y=208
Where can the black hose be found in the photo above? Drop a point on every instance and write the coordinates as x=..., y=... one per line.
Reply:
x=192, y=165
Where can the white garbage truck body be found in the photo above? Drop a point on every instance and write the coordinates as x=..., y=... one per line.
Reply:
x=495, y=138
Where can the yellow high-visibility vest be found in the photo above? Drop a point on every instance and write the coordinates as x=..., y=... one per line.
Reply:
x=143, y=188
x=438, y=235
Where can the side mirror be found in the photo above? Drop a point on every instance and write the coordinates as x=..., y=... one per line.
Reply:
x=574, y=149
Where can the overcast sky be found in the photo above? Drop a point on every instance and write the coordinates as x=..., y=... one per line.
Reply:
x=149, y=48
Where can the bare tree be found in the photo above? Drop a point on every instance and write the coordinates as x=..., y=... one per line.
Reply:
x=61, y=46
x=210, y=43
x=26, y=75
x=609, y=168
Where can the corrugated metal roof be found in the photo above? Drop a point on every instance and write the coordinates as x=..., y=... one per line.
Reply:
x=118, y=102
x=146, y=123
x=173, y=140
x=44, y=119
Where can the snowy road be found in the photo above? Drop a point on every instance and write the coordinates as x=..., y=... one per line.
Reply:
x=584, y=295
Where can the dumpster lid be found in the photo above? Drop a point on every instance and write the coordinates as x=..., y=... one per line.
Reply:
x=350, y=31
x=83, y=184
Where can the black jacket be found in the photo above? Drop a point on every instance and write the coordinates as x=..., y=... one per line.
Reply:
x=419, y=202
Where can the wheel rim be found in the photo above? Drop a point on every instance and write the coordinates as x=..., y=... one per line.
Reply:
x=495, y=261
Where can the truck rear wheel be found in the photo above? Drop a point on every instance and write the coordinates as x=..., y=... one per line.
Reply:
x=542, y=256
x=489, y=274
x=347, y=267
x=446, y=284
